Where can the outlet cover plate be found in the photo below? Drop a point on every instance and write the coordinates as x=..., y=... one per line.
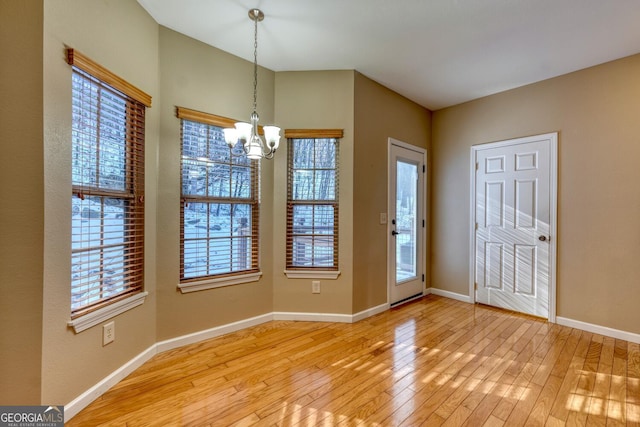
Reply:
x=108, y=333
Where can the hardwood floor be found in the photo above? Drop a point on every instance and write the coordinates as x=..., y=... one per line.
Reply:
x=432, y=362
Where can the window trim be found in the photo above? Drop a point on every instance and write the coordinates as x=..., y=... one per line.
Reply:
x=313, y=133
x=292, y=272
x=219, y=282
x=89, y=66
x=186, y=285
x=208, y=118
x=304, y=273
x=105, y=313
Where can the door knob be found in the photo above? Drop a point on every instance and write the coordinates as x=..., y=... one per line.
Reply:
x=542, y=238
x=394, y=233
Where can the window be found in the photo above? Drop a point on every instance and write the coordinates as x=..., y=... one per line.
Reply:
x=219, y=206
x=107, y=195
x=312, y=199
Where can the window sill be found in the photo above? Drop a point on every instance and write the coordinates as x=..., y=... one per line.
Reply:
x=202, y=285
x=96, y=317
x=312, y=274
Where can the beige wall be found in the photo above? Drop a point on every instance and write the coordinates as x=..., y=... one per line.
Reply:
x=203, y=78
x=22, y=202
x=595, y=112
x=314, y=100
x=122, y=37
x=379, y=114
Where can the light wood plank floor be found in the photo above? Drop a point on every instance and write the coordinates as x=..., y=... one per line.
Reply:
x=432, y=362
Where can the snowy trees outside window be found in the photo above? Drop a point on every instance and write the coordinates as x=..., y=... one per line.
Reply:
x=219, y=205
x=312, y=206
x=107, y=202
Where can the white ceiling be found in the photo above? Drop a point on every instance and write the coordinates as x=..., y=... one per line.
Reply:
x=437, y=53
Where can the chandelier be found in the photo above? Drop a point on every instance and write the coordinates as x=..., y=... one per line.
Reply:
x=247, y=134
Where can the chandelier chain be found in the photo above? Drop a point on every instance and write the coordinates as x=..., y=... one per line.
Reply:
x=255, y=64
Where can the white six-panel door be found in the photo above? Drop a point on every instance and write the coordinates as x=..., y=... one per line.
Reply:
x=515, y=223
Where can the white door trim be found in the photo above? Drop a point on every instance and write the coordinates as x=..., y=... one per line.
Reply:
x=423, y=151
x=553, y=181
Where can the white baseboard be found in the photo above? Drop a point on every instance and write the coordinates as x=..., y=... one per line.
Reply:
x=597, y=329
x=312, y=317
x=82, y=401
x=330, y=317
x=449, y=294
x=589, y=327
x=369, y=312
x=212, y=333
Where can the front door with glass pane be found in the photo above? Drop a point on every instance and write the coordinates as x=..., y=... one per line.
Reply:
x=406, y=222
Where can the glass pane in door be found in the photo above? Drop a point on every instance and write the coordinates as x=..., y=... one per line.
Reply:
x=406, y=220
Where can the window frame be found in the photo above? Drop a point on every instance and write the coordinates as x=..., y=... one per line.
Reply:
x=298, y=271
x=210, y=281
x=135, y=102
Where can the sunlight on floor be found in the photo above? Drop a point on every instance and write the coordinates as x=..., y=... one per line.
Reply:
x=616, y=410
x=380, y=368
x=581, y=401
x=300, y=415
x=585, y=399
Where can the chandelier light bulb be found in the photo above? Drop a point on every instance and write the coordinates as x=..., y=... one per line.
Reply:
x=272, y=136
x=244, y=131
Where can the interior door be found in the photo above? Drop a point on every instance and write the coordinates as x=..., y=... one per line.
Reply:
x=513, y=210
x=406, y=225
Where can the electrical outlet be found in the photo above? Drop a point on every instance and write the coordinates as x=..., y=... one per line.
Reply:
x=315, y=287
x=108, y=333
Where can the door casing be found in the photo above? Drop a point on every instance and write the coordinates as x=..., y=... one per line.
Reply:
x=553, y=181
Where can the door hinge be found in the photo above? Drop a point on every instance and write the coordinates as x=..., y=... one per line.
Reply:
x=423, y=278
x=477, y=165
x=475, y=286
x=476, y=225
x=423, y=223
x=424, y=168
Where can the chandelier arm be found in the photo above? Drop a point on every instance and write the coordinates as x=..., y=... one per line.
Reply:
x=241, y=154
x=269, y=155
